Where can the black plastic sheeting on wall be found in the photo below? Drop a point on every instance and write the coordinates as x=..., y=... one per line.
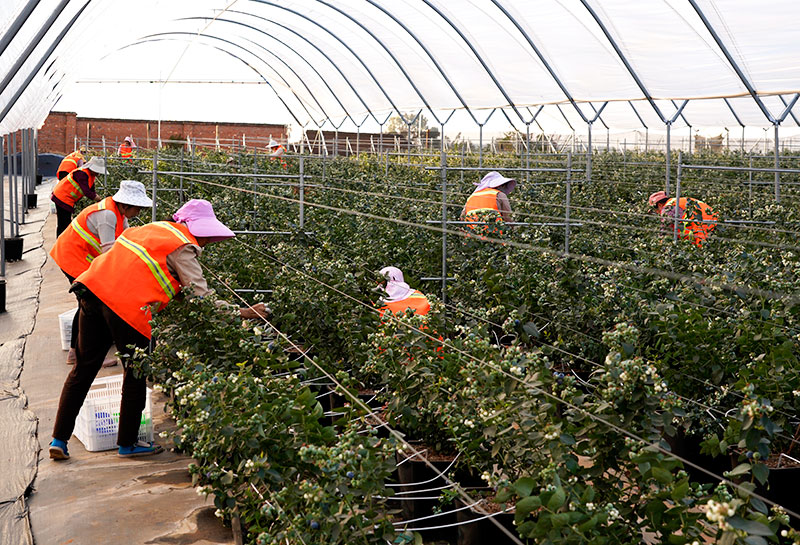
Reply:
x=48, y=163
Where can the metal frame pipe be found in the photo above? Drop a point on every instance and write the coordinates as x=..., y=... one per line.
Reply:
x=677, y=198
x=567, y=203
x=2, y=212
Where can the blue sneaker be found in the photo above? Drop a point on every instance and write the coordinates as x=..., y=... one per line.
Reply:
x=58, y=450
x=140, y=448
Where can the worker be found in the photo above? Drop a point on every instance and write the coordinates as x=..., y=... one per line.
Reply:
x=69, y=163
x=276, y=152
x=696, y=219
x=489, y=203
x=125, y=149
x=141, y=273
x=77, y=184
x=400, y=296
x=92, y=233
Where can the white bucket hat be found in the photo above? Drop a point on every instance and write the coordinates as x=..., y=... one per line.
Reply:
x=96, y=164
x=272, y=143
x=133, y=193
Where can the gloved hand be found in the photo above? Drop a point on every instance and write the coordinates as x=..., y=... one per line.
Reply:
x=259, y=310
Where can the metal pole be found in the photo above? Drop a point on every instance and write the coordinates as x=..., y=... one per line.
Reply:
x=750, y=191
x=690, y=139
x=527, y=150
x=255, y=188
x=589, y=156
x=677, y=199
x=569, y=197
x=12, y=194
x=443, y=165
x=155, y=183
x=480, y=146
x=302, y=193
x=105, y=162
x=180, y=178
x=667, y=157
x=777, y=165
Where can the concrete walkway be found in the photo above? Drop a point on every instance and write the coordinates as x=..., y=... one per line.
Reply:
x=95, y=497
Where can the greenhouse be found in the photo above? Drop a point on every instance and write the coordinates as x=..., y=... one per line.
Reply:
x=409, y=272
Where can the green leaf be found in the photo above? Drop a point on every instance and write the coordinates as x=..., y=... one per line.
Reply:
x=741, y=469
x=526, y=505
x=557, y=499
x=759, y=505
x=755, y=540
x=559, y=520
x=751, y=526
x=761, y=472
x=567, y=439
x=680, y=491
x=524, y=485
x=662, y=475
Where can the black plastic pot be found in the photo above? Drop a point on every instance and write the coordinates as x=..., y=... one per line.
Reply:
x=13, y=248
x=32, y=199
x=688, y=448
x=38, y=179
x=483, y=530
x=782, y=487
x=2, y=295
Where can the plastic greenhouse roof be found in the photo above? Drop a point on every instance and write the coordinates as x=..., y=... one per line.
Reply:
x=736, y=62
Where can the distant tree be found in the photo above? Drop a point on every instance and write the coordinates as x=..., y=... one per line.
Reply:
x=175, y=141
x=420, y=126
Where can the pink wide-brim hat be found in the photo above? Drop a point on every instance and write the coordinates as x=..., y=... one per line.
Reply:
x=198, y=215
x=657, y=197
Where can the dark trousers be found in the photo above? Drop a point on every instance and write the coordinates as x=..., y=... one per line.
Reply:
x=64, y=218
x=100, y=327
x=73, y=341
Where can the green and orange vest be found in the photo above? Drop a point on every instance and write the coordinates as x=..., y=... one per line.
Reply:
x=690, y=230
x=132, y=278
x=70, y=162
x=77, y=246
x=69, y=191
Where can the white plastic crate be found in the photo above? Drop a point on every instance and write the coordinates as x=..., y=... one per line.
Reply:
x=98, y=420
x=65, y=326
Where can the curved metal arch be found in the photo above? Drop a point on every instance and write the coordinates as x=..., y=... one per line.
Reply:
x=388, y=52
x=223, y=50
x=195, y=34
x=624, y=60
x=315, y=46
x=430, y=56
x=290, y=48
x=544, y=61
x=477, y=56
x=350, y=49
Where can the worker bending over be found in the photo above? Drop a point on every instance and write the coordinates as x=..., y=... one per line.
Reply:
x=400, y=296
x=76, y=185
x=69, y=163
x=696, y=220
x=93, y=233
x=489, y=204
x=139, y=275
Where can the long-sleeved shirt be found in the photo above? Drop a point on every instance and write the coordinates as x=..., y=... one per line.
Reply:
x=184, y=265
x=503, y=206
x=82, y=179
x=103, y=224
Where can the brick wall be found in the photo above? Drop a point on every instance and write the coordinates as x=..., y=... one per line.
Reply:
x=62, y=129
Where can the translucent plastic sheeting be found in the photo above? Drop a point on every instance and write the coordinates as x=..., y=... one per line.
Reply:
x=337, y=59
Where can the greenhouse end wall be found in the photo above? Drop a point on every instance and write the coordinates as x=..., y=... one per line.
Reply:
x=60, y=130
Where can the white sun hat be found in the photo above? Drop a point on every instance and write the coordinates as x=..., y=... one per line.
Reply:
x=97, y=165
x=133, y=193
x=272, y=143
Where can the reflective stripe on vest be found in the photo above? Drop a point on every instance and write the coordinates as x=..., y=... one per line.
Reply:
x=68, y=190
x=78, y=246
x=132, y=277
x=125, y=152
x=483, y=200
x=416, y=302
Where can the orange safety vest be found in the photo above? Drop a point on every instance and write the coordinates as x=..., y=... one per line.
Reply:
x=687, y=229
x=70, y=162
x=77, y=247
x=126, y=152
x=280, y=157
x=132, y=277
x=68, y=191
x=483, y=201
x=416, y=302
